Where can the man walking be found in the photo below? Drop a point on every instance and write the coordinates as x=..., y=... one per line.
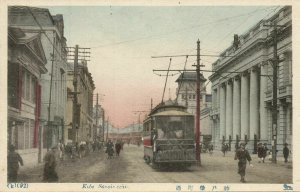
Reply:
x=50, y=174
x=286, y=153
x=13, y=160
x=242, y=155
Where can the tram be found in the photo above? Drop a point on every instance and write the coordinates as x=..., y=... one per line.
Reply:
x=168, y=136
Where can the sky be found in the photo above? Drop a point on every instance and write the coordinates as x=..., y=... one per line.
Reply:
x=123, y=39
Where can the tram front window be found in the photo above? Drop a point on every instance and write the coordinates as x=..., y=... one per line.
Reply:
x=175, y=127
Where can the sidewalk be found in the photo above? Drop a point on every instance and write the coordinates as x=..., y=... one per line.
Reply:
x=64, y=168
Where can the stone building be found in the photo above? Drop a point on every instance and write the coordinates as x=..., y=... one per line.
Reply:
x=99, y=122
x=26, y=64
x=242, y=99
x=187, y=97
x=85, y=88
x=51, y=30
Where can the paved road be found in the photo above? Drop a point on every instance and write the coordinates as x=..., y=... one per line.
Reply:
x=129, y=167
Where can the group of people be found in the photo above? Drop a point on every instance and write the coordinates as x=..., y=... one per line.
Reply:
x=111, y=148
x=243, y=156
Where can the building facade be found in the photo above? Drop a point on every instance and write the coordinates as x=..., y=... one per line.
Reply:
x=187, y=97
x=26, y=64
x=242, y=95
x=99, y=122
x=85, y=87
x=53, y=83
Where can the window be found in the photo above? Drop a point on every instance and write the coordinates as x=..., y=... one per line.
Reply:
x=13, y=85
x=194, y=96
x=23, y=83
x=32, y=92
x=27, y=85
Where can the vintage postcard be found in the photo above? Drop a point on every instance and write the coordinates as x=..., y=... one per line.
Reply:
x=149, y=96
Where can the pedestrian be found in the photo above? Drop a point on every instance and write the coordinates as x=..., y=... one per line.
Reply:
x=118, y=148
x=61, y=148
x=264, y=152
x=13, y=160
x=224, y=148
x=242, y=155
x=210, y=148
x=260, y=151
x=50, y=174
x=94, y=146
x=286, y=153
x=109, y=149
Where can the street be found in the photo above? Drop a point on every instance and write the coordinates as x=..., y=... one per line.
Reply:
x=130, y=167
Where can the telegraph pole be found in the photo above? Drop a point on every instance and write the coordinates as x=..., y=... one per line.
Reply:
x=107, y=129
x=50, y=101
x=274, y=62
x=96, y=116
x=274, y=110
x=75, y=98
x=78, y=55
x=198, y=158
x=103, y=124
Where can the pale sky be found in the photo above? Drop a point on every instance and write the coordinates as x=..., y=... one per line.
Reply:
x=123, y=39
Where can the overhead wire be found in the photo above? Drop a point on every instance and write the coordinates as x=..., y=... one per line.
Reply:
x=180, y=30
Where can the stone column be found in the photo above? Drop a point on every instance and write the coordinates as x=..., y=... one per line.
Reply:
x=254, y=109
x=244, y=106
x=222, y=111
x=263, y=106
x=228, y=110
x=236, y=113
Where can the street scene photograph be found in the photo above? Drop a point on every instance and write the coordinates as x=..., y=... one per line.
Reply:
x=150, y=94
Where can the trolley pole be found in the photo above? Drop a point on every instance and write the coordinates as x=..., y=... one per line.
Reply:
x=198, y=105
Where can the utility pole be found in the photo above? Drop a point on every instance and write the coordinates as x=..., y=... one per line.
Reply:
x=103, y=124
x=274, y=62
x=75, y=98
x=78, y=55
x=50, y=101
x=274, y=106
x=198, y=158
x=107, y=129
x=96, y=116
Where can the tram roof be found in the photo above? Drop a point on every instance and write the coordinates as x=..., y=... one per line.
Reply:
x=172, y=113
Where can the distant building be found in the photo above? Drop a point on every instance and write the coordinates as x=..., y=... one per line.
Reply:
x=242, y=101
x=84, y=130
x=99, y=122
x=187, y=97
x=31, y=19
x=26, y=64
x=131, y=134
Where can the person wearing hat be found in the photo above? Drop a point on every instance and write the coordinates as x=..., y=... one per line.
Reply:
x=50, y=174
x=286, y=153
x=242, y=155
x=13, y=160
